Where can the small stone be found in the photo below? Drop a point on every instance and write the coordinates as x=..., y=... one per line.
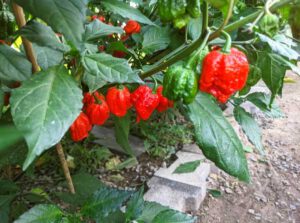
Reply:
x=257, y=217
x=251, y=211
x=292, y=207
x=164, y=165
x=286, y=183
x=228, y=190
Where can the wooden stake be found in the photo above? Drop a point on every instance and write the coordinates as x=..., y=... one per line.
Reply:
x=20, y=18
x=65, y=167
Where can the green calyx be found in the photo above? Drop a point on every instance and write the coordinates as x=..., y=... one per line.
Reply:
x=269, y=24
x=180, y=83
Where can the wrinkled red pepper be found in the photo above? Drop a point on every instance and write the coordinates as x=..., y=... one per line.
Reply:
x=164, y=103
x=80, y=128
x=224, y=71
x=98, y=112
x=145, y=102
x=118, y=100
x=132, y=27
x=89, y=98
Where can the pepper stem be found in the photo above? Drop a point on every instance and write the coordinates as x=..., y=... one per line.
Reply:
x=192, y=62
x=97, y=99
x=226, y=48
x=155, y=85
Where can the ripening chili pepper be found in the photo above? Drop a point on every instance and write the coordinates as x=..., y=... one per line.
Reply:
x=224, y=71
x=98, y=112
x=101, y=48
x=164, y=103
x=145, y=102
x=132, y=27
x=80, y=128
x=100, y=18
x=118, y=100
x=89, y=98
x=2, y=41
x=119, y=54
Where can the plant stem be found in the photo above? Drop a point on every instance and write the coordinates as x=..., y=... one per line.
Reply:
x=20, y=18
x=65, y=167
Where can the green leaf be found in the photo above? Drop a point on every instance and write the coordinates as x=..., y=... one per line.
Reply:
x=45, y=213
x=14, y=65
x=5, y=202
x=47, y=57
x=135, y=205
x=44, y=107
x=273, y=72
x=155, y=39
x=93, y=82
x=8, y=187
x=122, y=128
x=280, y=48
x=172, y=216
x=66, y=17
x=2, y=94
x=98, y=29
x=42, y=35
x=194, y=28
x=104, y=201
x=85, y=185
x=262, y=101
x=216, y=137
x=150, y=210
x=9, y=136
x=250, y=127
x=124, y=10
x=109, y=69
x=187, y=167
x=215, y=193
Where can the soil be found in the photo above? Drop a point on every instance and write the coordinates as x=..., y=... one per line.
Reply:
x=274, y=192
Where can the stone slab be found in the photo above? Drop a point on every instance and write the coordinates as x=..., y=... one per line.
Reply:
x=194, y=178
x=192, y=148
x=106, y=137
x=183, y=192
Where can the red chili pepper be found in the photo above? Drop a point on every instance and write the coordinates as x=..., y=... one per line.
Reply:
x=164, y=103
x=119, y=54
x=6, y=99
x=89, y=98
x=132, y=27
x=144, y=101
x=100, y=18
x=2, y=41
x=118, y=100
x=98, y=112
x=101, y=48
x=80, y=128
x=223, y=74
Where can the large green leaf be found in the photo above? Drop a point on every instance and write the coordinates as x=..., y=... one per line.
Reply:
x=9, y=136
x=109, y=69
x=45, y=213
x=93, y=82
x=5, y=202
x=105, y=201
x=42, y=35
x=280, y=48
x=135, y=205
x=194, y=28
x=150, y=210
x=156, y=38
x=98, y=29
x=216, y=137
x=250, y=127
x=172, y=216
x=273, y=72
x=47, y=57
x=262, y=101
x=14, y=65
x=65, y=16
x=122, y=128
x=126, y=11
x=44, y=107
x=85, y=185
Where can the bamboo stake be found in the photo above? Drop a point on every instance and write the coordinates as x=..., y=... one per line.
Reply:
x=20, y=18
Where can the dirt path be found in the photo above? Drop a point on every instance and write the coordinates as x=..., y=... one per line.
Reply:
x=274, y=194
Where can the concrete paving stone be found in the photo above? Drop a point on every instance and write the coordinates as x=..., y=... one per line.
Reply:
x=106, y=137
x=192, y=148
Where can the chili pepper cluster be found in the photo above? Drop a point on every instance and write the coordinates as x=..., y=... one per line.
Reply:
x=118, y=100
